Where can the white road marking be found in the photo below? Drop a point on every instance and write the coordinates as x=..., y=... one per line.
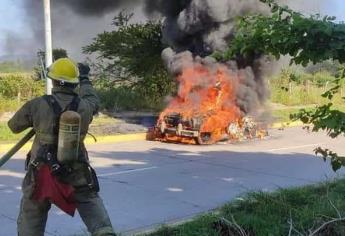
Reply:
x=12, y=174
x=295, y=147
x=127, y=171
x=174, y=189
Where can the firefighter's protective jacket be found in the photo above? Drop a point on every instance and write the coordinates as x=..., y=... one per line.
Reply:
x=38, y=114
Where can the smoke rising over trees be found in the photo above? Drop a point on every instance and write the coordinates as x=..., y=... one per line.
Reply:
x=199, y=26
x=203, y=27
x=76, y=22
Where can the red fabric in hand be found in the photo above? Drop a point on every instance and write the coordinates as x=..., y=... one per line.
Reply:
x=48, y=187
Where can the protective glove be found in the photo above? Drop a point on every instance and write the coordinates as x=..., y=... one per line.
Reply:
x=84, y=71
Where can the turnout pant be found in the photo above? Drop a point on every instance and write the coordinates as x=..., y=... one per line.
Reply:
x=33, y=214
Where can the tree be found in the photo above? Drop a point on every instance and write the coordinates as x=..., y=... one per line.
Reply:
x=41, y=67
x=305, y=39
x=59, y=53
x=330, y=66
x=130, y=56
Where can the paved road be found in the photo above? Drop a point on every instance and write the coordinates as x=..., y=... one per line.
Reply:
x=145, y=184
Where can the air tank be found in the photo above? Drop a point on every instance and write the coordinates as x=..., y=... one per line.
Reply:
x=69, y=137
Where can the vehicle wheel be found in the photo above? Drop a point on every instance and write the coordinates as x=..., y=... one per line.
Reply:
x=204, y=139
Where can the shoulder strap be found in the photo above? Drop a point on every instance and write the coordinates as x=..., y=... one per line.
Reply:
x=57, y=109
x=53, y=103
x=51, y=100
x=74, y=105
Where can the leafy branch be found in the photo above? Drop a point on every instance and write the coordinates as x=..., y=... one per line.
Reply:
x=286, y=32
x=129, y=56
x=305, y=39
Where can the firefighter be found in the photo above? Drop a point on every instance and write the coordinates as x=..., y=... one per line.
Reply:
x=72, y=185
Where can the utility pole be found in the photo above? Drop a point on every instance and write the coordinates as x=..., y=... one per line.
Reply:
x=48, y=42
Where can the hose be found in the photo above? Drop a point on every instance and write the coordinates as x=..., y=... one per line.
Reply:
x=16, y=148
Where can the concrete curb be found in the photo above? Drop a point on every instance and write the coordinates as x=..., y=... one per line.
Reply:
x=133, y=137
x=116, y=138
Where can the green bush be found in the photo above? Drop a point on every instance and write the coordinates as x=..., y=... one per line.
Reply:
x=292, y=87
x=12, y=66
x=127, y=99
x=297, y=95
x=322, y=78
x=20, y=86
x=8, y=105
x=17, y=88
x=6, y=134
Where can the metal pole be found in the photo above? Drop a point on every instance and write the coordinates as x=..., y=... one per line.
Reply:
x=48, y=40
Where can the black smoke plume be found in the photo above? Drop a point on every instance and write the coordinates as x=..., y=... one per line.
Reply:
x=74, y=24
x=203, y=27
x=198, y=26
x=95, y=7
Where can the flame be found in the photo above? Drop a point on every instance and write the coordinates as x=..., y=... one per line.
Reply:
x=203, y=91
x=207, y=93
x=204, y=107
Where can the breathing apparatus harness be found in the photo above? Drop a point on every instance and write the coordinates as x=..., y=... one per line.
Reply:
x=63, y=152
x=48, y=153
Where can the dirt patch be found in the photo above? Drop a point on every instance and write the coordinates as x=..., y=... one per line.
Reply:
x=117, y=128
x=122, y=123
x=6, y=116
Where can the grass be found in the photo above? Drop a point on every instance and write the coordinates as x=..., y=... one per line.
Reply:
x=300, y=98
x=300, y=95
x=6, y=134
x=283, y=115
x=265, y=214
x=9, y=105
x=119, y=98
x=123, y=99
x=104, y=120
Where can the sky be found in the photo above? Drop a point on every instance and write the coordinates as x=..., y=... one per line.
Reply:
x=12, y=18
x=12, y=22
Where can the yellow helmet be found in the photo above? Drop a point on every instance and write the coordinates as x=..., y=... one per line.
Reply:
x=64, y=69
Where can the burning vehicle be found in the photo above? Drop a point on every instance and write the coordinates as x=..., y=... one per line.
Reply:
x=175, y=127
x=205, y=110
x=216, y=99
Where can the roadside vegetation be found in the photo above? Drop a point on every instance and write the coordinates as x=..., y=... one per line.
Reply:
x=17, y=88
x=6, y=135
x=14, y=67
x=306, y=39
x=306, y=211
x=129, y=72
x=287, y=96
x=131, y=76
x=296, y=88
